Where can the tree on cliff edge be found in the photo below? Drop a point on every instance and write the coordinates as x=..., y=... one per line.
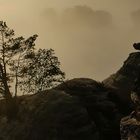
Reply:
x=10, y=49
x=24, y=67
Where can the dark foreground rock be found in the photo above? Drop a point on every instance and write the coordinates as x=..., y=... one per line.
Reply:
x=79, y=109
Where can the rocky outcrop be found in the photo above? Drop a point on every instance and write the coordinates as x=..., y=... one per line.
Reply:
x=47, y=116
x=79, y=109
x=130, y=125
x=127, y=81
x=101, y=103
x=130, y=128
x=124, y=79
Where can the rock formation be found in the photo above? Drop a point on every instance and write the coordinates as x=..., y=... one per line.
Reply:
x=130, y=128
x=130, y=125
x=124, y=79
x=127, y=83
x=78, y=109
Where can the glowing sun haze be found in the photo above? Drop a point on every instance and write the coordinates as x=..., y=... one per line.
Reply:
x=92, y=38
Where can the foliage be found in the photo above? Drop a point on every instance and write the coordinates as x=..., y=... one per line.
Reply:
x=21, y=64
x=41, y=70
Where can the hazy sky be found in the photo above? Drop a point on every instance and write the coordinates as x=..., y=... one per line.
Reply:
x=92, y=38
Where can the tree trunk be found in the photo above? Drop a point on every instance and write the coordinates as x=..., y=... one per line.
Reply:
x=11, y=103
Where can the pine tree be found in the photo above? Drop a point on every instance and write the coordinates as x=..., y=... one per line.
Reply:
x=40, y=71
